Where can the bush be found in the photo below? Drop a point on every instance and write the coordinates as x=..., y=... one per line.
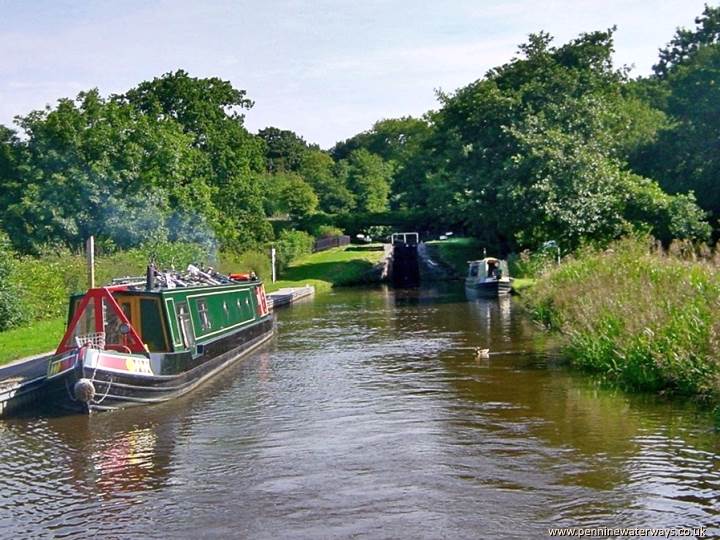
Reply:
x=11, y=312
x=45, y=283
x=290, y=246
x=326, y=231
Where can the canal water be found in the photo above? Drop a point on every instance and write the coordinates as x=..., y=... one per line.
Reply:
x=370, y=416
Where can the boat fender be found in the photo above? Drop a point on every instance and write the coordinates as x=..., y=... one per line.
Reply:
x=84, y=390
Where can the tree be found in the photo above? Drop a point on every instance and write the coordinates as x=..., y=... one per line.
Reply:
x=537, y=149
x=399, y=141
x=394, y=139
x=683, y=157
x=11, y=158
x=211, y=111
x=320, y=171
x=284, y=149
x=288, y=193
x=368, y=177
x=103, y=168
x=686, y=43
x=199, y=105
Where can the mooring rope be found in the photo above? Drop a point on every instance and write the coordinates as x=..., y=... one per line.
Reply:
x=109, y=384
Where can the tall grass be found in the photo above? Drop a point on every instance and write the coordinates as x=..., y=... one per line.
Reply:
x=645, y=317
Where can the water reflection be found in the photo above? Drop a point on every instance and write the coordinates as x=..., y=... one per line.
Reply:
x=493, y=315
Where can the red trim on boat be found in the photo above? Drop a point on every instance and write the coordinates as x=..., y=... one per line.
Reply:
x=132, y=339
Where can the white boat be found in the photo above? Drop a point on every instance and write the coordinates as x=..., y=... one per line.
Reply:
x=488, y=277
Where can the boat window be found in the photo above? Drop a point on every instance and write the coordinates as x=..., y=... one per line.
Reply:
x=127, y=310
x=86, y=323
x=473, y=270
x=152, y=331
x=204, y=314
x=113, y=335
x=186, y=331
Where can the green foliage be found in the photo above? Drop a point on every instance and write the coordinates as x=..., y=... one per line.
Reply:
x=291, y=245
x=325, y=231
x=684, y=155
x=288, y=193
x=643, y=317
x=11, y=309
x=328, y=180
x=93, y=167
x=536, y=150
x=379, y=233
x=368, y=177
x=169, y=160
x=395, y=139
x=210, y=111
x=398, y=141
x=664, y=216
x=284, y=150
x=683, y=46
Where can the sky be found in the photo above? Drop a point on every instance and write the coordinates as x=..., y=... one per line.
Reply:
x=326, y=69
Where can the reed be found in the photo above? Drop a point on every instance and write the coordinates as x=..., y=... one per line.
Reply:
x=645, y=317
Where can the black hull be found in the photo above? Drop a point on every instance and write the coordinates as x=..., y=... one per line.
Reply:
x=114, y=390
x=489, y=289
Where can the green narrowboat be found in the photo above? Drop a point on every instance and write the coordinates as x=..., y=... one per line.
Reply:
x=138, y=343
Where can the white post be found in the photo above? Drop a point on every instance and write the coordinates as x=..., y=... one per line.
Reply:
x=90, y=253
x=272, y=261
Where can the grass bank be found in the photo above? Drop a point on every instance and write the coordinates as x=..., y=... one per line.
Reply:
x=643, y=317
x=350, y=265
x=42, y=336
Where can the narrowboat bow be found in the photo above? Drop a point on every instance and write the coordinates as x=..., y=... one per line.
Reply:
x=488, y=277
x=139, y=343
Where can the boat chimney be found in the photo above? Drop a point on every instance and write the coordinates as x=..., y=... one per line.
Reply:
x=150, y=277
x=90, y=255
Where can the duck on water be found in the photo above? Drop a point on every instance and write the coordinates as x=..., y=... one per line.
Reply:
x=138, y=342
